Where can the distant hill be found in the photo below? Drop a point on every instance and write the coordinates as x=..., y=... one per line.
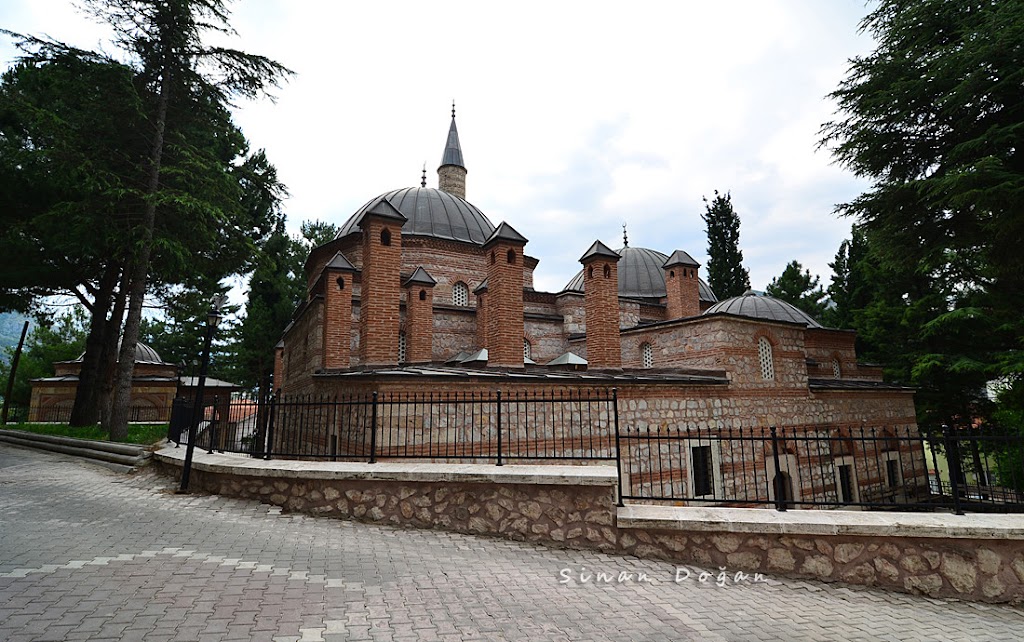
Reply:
x=10, y=331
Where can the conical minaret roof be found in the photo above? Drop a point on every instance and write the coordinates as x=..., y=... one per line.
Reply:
x=452, y=149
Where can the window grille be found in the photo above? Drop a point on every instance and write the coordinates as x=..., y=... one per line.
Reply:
x=764, y=355
x=401, y=347
x=837, y=371
x=460, y=294
x=527, y=349
x=647, y=354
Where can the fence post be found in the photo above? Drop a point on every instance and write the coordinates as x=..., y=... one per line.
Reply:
x=499, y=430
x=373, y=430
x=618, y=449
x=777, y=481
x=270, y=427
x=953, y=459
x=213, y=426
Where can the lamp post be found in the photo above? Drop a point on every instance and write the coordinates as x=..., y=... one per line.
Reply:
x=212, y=319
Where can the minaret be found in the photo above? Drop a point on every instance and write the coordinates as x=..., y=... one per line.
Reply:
x=451, y=175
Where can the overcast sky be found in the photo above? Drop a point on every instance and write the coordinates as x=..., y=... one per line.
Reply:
x=574, y=117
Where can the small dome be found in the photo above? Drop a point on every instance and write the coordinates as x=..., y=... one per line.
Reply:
x=641, y=276
x=143, y=354
x=431, y=212
x=754, y=306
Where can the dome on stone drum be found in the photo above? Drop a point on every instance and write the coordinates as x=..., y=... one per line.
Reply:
x=754, y=306
x=641, y=276
x=431, y=212
x=143, y=354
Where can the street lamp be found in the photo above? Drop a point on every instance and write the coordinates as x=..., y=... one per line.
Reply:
x=212, y=319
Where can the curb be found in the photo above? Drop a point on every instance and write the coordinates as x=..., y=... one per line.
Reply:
x=127, y=456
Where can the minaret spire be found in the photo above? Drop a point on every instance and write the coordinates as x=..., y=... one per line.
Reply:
x=423, y=179
x=625, y=237
x=451, y=174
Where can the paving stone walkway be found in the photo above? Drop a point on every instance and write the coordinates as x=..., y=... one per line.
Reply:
x=88, y=554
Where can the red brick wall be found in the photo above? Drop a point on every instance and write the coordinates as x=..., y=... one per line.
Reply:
x=601, y=296
x=419, y=324
x=380, y=293
x=505, y=301
x=683, y=292
x=337, y=326
x=482, y=301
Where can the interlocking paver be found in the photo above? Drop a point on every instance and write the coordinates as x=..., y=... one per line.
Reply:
x=89, y=554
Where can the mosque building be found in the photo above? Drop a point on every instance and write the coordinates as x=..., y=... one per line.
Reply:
x=421, y=290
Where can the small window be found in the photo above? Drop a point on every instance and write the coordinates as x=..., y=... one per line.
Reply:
x=703, y=471
x=341, y=283
x=385, y=237
x=671, y=274
x=647, y=355
x=590, y=272
x=460, y=294
x=607, y=271
x=527, y=349
x=401, y=347
x=764, y=356
x=423, y=295
x=892, y=473
x=846, y=481
x=837, y=371
x=511, y=256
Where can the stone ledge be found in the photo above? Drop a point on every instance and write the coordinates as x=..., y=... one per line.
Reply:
x=394, y=471
x=821, y=522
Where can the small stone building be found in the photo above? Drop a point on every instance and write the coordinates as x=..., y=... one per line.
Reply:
x=155, y=385
x=421, y=290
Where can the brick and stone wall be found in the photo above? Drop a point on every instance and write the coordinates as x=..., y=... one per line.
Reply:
x=978, y=557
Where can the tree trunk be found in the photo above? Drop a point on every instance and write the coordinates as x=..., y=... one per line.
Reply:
x=121, y=405
x=108, y=364
x=86, y=410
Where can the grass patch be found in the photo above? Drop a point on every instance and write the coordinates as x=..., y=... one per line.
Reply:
x=145, y=434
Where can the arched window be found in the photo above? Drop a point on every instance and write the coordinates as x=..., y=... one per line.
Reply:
x=837, y=370
x=423, y=295
x=460, y=294
x=647, y=355
x=527, y=349
x=401, y=347
x=607, y=271
x=385, y=237
x=511, y=256
x=764, y=356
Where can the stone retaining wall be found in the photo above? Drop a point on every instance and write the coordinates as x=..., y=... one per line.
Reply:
x=976, y=557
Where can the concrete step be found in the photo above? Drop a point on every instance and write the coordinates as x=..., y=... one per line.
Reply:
x=111, y=454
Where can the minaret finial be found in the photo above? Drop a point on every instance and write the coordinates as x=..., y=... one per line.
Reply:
x=423, y=180
x=625, y=237
x=453, y=108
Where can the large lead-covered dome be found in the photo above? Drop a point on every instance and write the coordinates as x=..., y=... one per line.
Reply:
x=431, y=212
x=754, y=306
x=641, y=276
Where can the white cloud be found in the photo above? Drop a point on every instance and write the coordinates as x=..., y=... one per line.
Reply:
x=574, y=116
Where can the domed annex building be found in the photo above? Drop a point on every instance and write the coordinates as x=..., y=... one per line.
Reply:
x=155, y=385
x=421, y=291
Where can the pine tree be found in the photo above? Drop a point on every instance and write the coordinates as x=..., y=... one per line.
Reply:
x=726, y=274
x=800, y=289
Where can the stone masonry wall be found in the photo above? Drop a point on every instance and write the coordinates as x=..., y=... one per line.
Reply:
x=581, y=516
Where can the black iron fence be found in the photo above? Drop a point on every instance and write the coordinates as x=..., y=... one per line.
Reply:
x=895, y=468
x=61, y=414
x=494, y=427
x=877, y=468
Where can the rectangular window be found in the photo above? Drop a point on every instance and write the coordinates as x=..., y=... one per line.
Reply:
x=845, y=483
x=892, y=472
x=703, y=471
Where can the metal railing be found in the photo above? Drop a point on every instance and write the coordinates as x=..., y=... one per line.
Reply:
x=867, y=467
x=494, y=427
x=893, y=468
